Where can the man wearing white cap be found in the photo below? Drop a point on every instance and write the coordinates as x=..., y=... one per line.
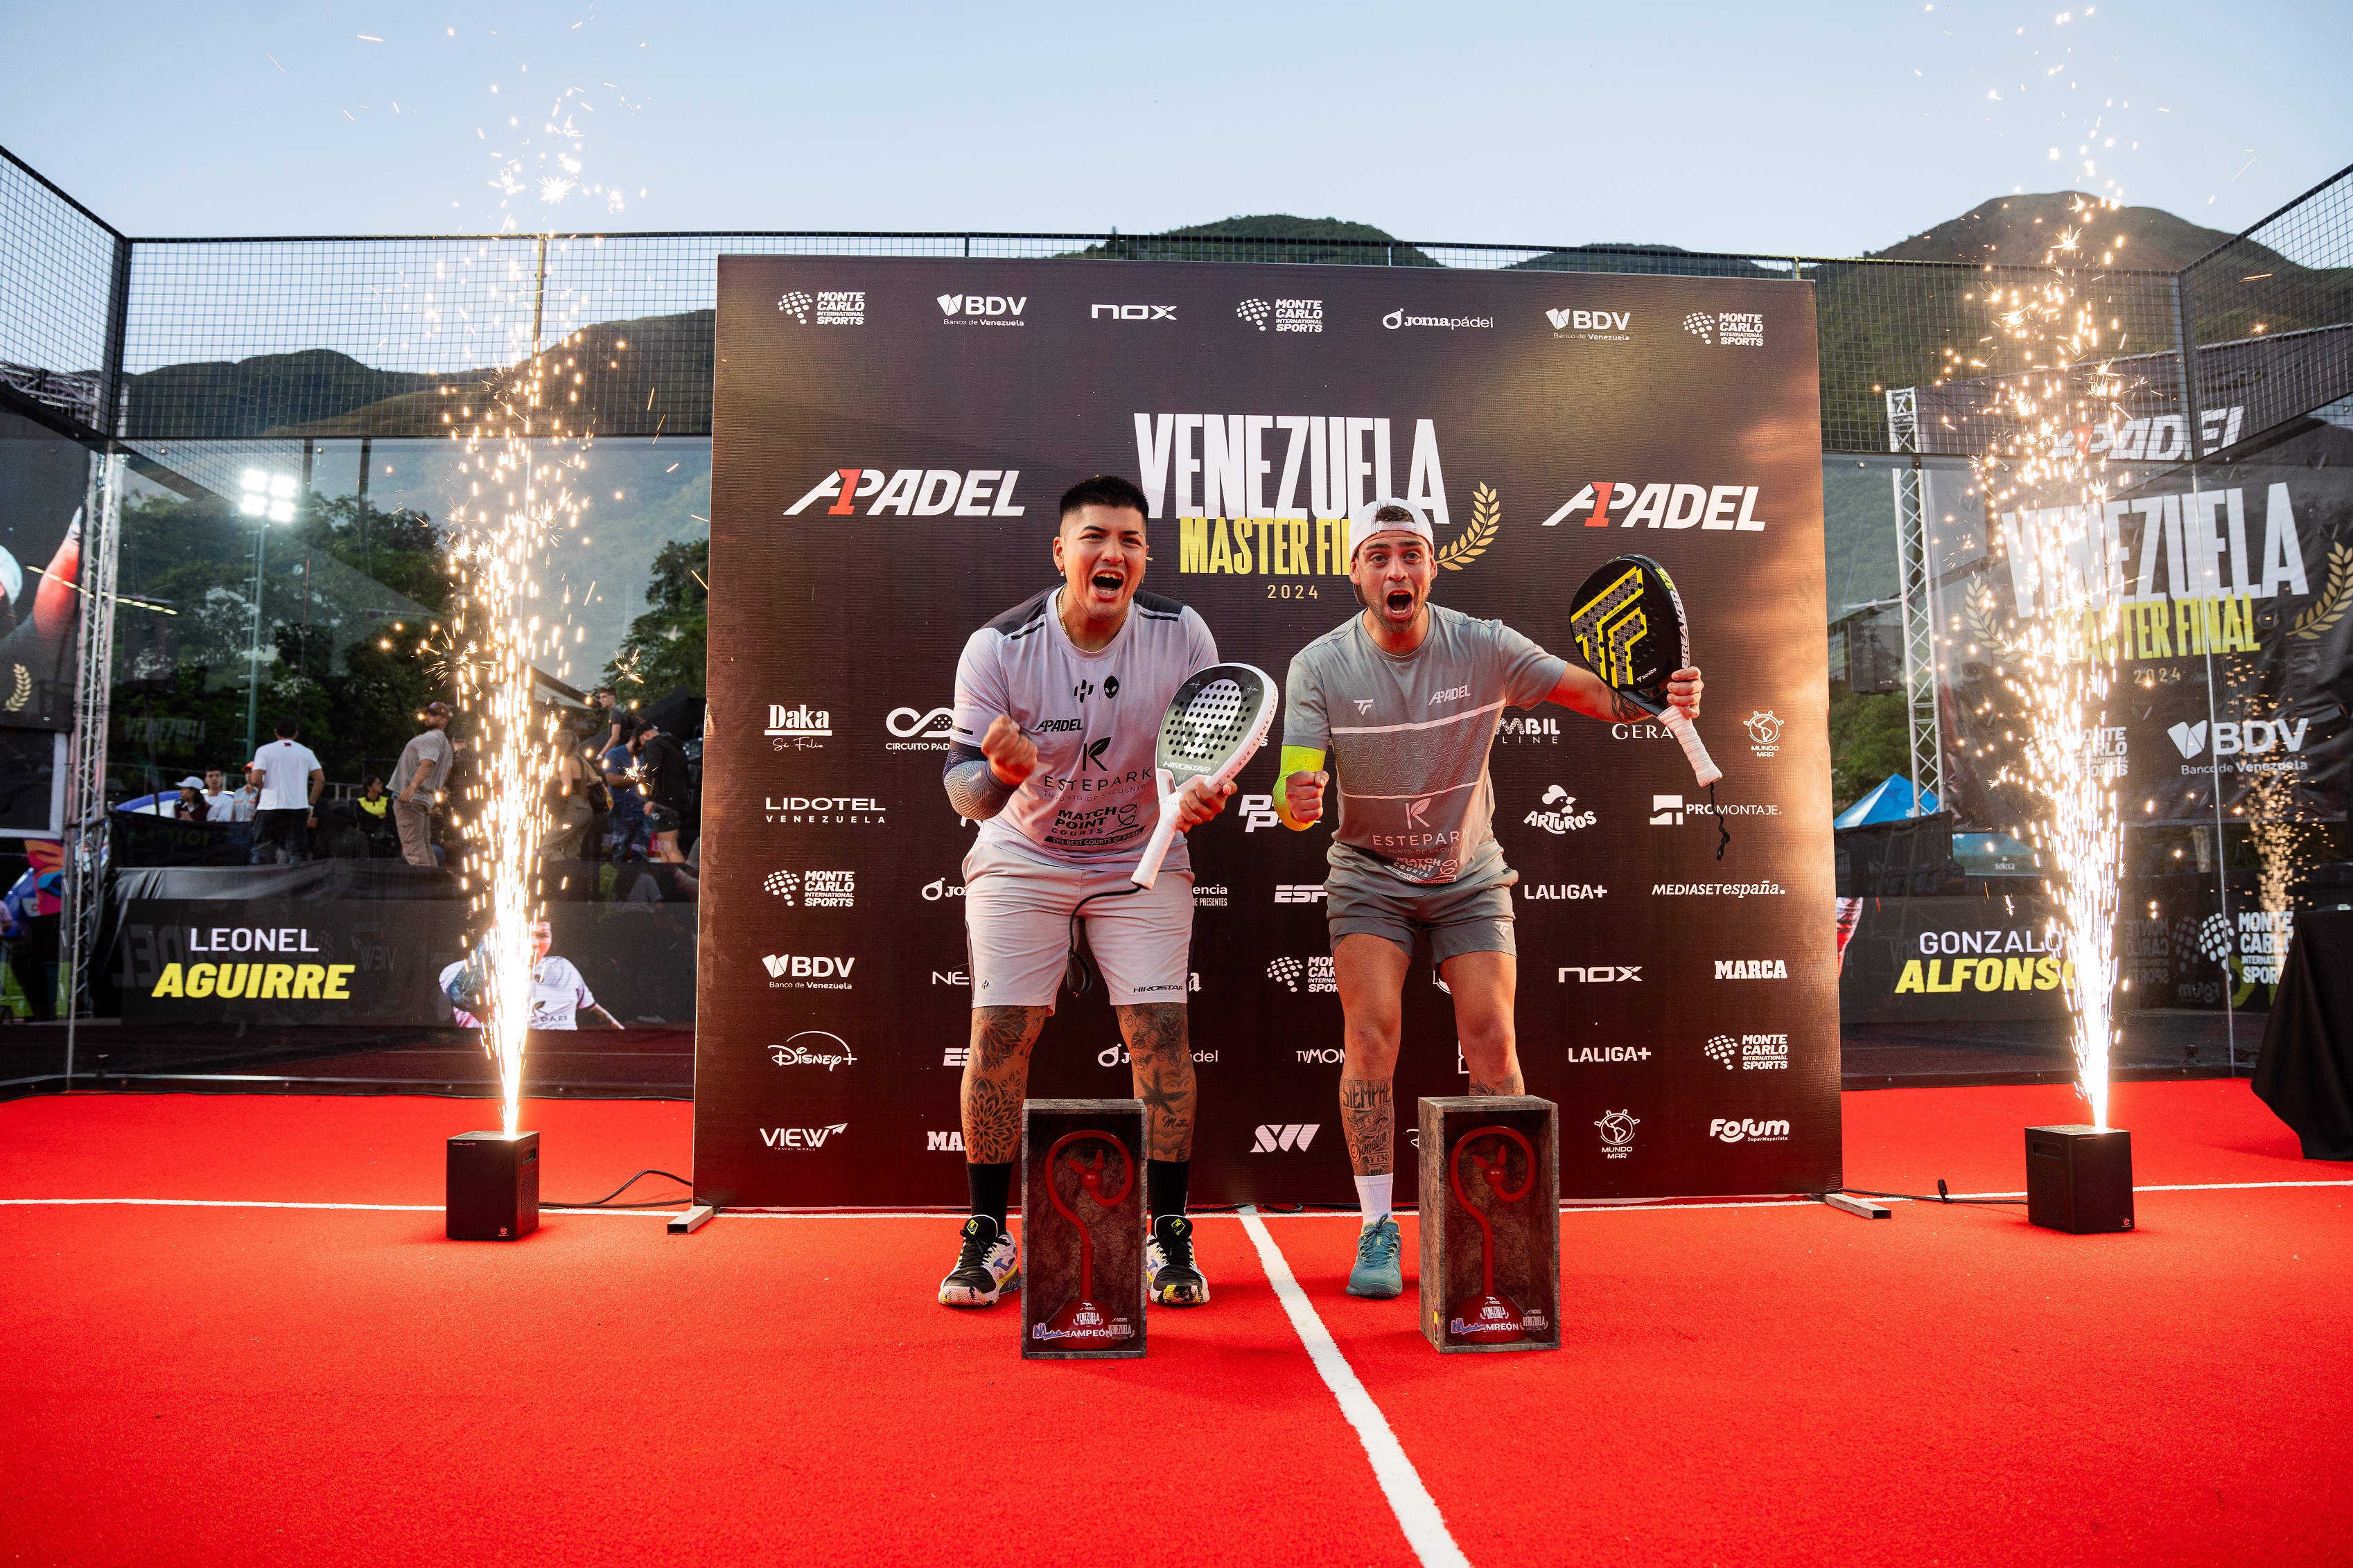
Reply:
x=1405, y=701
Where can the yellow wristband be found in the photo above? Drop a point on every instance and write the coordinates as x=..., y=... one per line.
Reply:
x=1296, y=759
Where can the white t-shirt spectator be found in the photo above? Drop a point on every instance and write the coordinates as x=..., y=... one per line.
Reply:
x=221, y=807
x=287, y=767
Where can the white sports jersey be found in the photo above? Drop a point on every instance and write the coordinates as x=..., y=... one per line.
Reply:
x=1095, y=718
x=558, y=992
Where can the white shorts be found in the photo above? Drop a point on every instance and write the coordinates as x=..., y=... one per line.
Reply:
x=1017, y=920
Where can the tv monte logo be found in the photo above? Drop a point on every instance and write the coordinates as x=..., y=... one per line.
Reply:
x=982, y=310
x=916, y=492
x=1662, y=503
x=1273, y=1138
x=823, y=1050
x=801, y=1137
x=1605, y=326
x=1557, y=813
x=800, y=722
x=1727, y=328
x=829, y=308
x=1132, y=312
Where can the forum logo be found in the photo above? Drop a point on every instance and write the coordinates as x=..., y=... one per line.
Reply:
x=1747, y=1131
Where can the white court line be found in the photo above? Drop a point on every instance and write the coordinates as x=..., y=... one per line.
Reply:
x=1417, y=1513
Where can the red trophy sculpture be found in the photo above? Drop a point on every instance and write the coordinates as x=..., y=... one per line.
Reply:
x=1488, y=1318
x=1080, y=1324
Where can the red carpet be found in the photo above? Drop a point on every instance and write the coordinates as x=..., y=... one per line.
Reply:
x=1774, y=1385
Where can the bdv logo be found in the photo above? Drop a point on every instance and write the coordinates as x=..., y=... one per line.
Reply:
x=2252, y=736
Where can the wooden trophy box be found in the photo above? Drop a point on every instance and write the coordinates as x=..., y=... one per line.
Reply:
x=1491, y=1271
x=1082, y=1284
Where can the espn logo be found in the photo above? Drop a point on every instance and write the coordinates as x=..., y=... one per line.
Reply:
x=1298, y=892
x=1285, y=1137
x=955, y=1056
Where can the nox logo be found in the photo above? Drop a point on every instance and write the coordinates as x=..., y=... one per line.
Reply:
x=1298, y=892
x=1132, y=312
x=1096, y=750
x=944, y=1142
x=1588, y=320
x=1417, y=812
x=982, y=305
x=1601, y=973
x=1284, y=1137
x=1724, y=508
x=1752, y=969
x=1731, y=1131
x=803, y=720
x=1666, y=810
x=1257, y=811
x=800, y=1137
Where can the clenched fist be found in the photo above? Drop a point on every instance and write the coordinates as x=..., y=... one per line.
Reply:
x=1012, y=756
x=1304, y=796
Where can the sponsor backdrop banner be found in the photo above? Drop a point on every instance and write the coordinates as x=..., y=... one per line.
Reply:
x=891, y=438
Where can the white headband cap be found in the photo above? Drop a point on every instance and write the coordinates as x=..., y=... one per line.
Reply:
x=1362, y=528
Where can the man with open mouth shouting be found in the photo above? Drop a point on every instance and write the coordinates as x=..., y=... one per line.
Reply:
x=1058, y=705
x=1405, y=699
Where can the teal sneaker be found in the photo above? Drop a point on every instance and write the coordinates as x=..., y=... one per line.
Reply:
x=1377, y=1273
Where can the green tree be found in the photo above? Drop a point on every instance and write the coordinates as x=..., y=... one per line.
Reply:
x=1870, y=739
x=666, y=646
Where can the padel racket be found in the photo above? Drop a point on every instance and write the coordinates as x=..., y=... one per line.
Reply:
x=1628, y=624
x=1215, y=723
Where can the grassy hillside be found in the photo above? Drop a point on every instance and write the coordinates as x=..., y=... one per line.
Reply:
x=1283, y=236
x=2020, y=230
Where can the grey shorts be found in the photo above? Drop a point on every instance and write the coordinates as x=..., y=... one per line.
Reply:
x=1017, y=916
x=1432, y=922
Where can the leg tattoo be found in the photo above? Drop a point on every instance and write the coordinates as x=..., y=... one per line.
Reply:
x=1368, y=1115
x=1511, y=1085
x=996, y=1082
x=1161, y=1058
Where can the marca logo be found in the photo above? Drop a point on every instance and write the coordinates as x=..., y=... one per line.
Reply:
x=1563, y=891
x=1284, y=1137
x=857, y=810
x=1724, y=508
x=829, y=307
x=944, y=1142
x=1764, y=733
x=982, y=310
x=1731, y=1131
x=916, y=730
x=1601, y=973
x=1132, y=312
x=1298, y=892
x=1667, y=811
x=1618, y=1134
x=940, y=887
x=1608, y=324
x=916, y=492
x=1557, y=813
x=1752, y=969
x=800, y=1137
x=2252, y=736
x=783, y=720
x=827, y=1051
x=1728, y=329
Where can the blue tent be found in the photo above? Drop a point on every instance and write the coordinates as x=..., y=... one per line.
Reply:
x=1890, y=802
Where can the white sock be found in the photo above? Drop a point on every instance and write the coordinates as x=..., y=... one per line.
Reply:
x=1373, y=1193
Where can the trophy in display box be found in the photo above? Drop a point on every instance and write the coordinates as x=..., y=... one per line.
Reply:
x=1489, y=1240
x=1083, y=1205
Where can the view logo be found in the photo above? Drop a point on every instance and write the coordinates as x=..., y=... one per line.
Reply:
x=800, y=1137
x=1285, y=1137
x=1751, y=1131
x=2252, y=736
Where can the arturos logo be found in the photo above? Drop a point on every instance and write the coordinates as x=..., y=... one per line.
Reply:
x=1662, y=504
x=1601, y=973
x=802, y=721
x=918, y=729
x=940, y=887
x=1557, y=813
x=815, y=1055
x=830, y=307
x=916, y=492
x=944, y=1142
x=1132, y=312
x=1399, y=318
x=1727, y=328
x=1299, y=892
x=1752, y=969
x=1284, y=1137
x=1764, y=733
x=800, y=1137
x=1611, y=325
x=1618, y=1134
x=982, y=310
x=1745, y=1129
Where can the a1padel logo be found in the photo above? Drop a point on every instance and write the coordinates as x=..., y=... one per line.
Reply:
x=826, y=307
x=800, y=1137
x=1662, y=504
x=914, y=492
x=1557, y=813
x=982, y=310
x=1272, y=1137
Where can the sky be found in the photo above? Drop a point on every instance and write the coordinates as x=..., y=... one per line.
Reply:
x=1824, y=129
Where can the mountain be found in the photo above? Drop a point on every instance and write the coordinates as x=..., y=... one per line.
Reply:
x=1326, y=239
x=2020, y=230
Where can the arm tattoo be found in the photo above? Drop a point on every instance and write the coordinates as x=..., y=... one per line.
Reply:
x=1369, y=1117
x=1162, y=1060
x=1625, y=709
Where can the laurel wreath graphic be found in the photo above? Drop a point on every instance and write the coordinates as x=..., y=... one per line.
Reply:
x=23, y=692
x=1978, y=609
x=2335, y=599
x=1486, y=517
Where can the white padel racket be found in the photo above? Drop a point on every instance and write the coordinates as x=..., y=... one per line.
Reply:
x=1215, y=723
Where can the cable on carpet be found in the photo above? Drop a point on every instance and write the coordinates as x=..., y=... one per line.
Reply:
x=616, y=1192
x=1942, y=1196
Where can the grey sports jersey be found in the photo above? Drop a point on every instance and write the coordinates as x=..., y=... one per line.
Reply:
x=1406, y=737
x=1095, y=718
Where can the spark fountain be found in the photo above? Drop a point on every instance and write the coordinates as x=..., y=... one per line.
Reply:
x=2061, y=669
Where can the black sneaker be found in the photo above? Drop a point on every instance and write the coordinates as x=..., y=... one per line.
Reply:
x=1168, y=1262
x=982, y=1268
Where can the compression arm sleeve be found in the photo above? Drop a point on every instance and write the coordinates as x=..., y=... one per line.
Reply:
x=974, y=788
x=1296, y=759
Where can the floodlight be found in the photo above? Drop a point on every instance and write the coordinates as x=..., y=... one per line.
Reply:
x=282, y=511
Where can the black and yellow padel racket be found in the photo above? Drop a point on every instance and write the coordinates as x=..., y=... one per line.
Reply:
x=1628, y=624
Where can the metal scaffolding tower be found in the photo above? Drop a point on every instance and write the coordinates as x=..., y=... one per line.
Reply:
x=85, y=825
x=1927, y=749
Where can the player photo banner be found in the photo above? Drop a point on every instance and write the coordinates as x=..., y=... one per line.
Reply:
x=891, y=438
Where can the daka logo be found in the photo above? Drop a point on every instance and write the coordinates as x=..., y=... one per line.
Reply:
x=1284, y=1137
x=803, y=720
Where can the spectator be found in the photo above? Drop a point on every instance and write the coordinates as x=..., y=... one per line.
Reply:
x=662, y=766
x=625, y=824
x=289, y=774
x=374, y=819
x=423, y=769
x=340, y=838
x=220, y=801
x=568, y=809
x=192, y=804
x=32, y=911
x=607, y=709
